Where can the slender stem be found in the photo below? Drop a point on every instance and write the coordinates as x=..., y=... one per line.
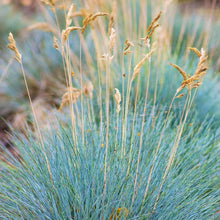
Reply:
x=81, y=84
x=176, y=142
x=107, y=126
x=158, y=147
x=36, y=122
x=141, y=136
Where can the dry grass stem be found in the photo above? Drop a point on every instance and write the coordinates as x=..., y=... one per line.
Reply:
x=117, y=97
x=137, y=68
x=67, y=31
x=90, y=18
x=72, y=94
x=13, y=47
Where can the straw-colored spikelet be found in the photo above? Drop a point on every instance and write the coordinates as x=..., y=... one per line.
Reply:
x=195, y=80
x=88, y=90
x=43, y=26
x=137, y=68
x=152, y=27
x=127, y=46
x=181, y=95
x=182, y=72
x=67, y=31
x=90, y=18
x=69, y=15
x=112, y=17
x=13, y=47
x=112, y=40
x=55, y=42
x=71, y=94
x=117, y=97
x=196, y=51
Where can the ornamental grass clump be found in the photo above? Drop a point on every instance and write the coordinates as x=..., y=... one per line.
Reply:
x=114, y=149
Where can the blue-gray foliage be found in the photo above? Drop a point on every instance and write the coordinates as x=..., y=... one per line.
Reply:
x=191, y=190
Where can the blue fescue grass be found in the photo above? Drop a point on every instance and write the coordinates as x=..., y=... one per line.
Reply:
x=191, y=190
x=62, y=177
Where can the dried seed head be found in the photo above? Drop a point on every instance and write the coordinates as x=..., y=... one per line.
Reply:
x=112, y=17
x=181, y=95
x=71, y=95
x=152, y=27
x=13, y=47
x=137, y=68
x=112, y=40
x=67, y=31
x=55, y=42
x=90, y=18
x=69, y=15
x=195, y=80
x=201, y=68
x=127, y=46
x=117, y=97
x=196, y=51
x=88, y=90
x=182, y=72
